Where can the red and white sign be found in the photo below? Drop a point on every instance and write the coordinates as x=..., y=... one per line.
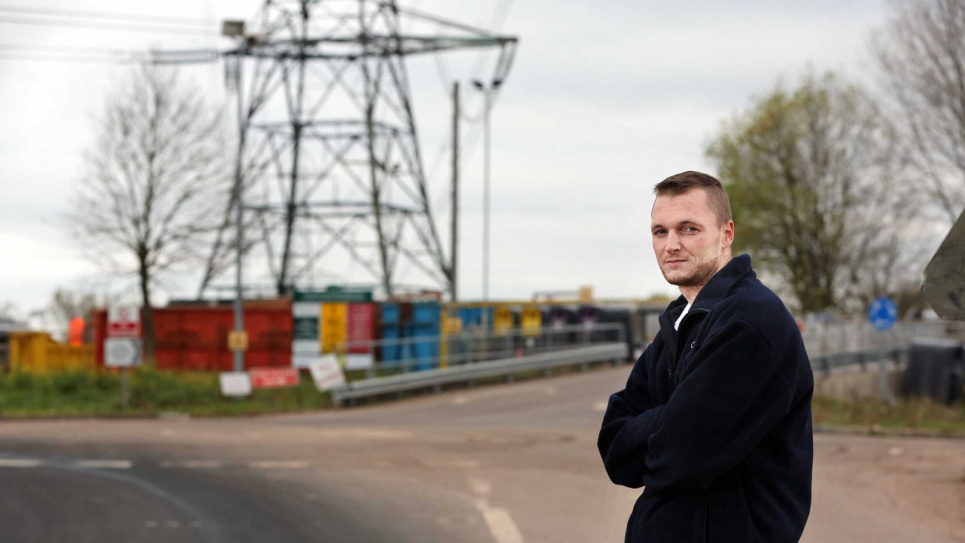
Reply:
x=124, y=321
x=326, y=372
x=273, y=377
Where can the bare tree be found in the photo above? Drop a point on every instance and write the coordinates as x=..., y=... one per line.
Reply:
x=811, y=174
x=155, y=182
x=921, y=60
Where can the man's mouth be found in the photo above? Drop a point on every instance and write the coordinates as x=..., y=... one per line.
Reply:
x=675, y=261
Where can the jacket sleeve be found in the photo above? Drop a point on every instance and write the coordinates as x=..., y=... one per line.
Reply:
x=719, y=412
x=628, y=423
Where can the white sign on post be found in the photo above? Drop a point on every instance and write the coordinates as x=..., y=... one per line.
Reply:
x=124, y=321
x=122, y=352
x=235, y=383
x=326, y=372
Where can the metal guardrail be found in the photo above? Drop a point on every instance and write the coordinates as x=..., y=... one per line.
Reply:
x=469, y=372
x=829, y=361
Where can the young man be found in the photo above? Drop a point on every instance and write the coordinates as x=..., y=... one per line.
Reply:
x=715, y=419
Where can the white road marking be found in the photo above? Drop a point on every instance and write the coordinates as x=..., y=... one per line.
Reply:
x=480, y=486
x=172, y=524
x=500, y=523
x=150, y=524
x=460, y=400
x=278, y=464
x=19, y=463
x=550, y=391
x=600, y=407
x=896, y=451
x=192, y=464
x=103, y=464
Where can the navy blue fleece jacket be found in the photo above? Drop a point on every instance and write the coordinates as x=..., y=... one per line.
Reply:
x=715, y=421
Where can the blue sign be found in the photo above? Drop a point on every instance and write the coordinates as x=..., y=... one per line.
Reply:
x=883, y=313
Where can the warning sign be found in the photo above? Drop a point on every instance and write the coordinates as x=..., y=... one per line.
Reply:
x=273, y=377
x=124, y=321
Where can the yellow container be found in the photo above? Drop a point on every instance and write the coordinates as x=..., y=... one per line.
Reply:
x=37, y=352
x=531, y=320
x=502, y=320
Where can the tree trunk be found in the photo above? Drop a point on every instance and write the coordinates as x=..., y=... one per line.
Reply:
x=147, y=316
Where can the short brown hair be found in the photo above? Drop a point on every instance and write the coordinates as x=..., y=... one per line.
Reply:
x=683, y=182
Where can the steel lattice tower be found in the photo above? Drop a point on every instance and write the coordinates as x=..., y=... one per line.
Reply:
x=330, y=147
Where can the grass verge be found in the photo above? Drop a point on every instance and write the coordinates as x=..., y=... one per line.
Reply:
x=152, y=392
x=900, y=414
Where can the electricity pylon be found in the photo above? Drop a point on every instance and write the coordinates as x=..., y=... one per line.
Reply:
x=329, y=150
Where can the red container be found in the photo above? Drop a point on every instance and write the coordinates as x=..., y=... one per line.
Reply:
x=361, y=326
x=195, y=337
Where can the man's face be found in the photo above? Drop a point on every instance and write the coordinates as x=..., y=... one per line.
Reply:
x=689, y=244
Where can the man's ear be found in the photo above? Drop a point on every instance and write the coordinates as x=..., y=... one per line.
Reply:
x=728, y=237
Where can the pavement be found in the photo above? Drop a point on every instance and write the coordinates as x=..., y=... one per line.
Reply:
x=514, y=463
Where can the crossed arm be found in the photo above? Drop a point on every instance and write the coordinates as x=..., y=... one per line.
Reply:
x=736, y=393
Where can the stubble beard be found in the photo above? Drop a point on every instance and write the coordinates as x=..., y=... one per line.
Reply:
x=701, y=272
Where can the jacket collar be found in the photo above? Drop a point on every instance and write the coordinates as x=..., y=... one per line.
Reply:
x=717, y=288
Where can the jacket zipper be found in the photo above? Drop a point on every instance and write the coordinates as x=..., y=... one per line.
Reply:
x=672, y=367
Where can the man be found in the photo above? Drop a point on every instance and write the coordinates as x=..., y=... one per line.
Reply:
x=715, y=419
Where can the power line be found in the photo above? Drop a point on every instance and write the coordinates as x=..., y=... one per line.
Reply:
x=62, y=58
x=107, y=25
x=153, y=19
x=11, y=51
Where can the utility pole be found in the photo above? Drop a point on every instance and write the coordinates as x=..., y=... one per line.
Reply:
x=238, y=341
x=455, y=192
x=488, y=96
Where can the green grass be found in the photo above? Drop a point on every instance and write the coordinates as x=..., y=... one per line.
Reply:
x=898, y=414
x=151, y=392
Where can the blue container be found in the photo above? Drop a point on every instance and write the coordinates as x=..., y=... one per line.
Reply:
x=391, y=330
x=472, y=317
x=425, y=325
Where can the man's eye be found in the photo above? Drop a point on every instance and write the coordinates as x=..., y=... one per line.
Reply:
x=659, y=232
x=690, y=229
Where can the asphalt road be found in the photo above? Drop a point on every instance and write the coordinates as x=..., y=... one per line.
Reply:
x=503, y=464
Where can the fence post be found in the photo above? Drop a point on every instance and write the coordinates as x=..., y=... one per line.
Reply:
x=883, y=392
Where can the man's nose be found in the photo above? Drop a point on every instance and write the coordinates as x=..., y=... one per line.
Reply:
x=673, y=243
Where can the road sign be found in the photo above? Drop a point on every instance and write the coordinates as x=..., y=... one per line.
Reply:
x=124, y=321
x=235, y=383
x=122, y=352
x=326, y=372
x=883, y=313
x=944, y=278
x=237, y=340
x=273, y=377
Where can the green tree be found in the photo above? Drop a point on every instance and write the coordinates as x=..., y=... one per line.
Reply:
x=811, y=173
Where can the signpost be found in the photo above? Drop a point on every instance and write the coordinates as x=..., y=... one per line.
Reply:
x=122, y=346
x=122, y=352
x=883, y=313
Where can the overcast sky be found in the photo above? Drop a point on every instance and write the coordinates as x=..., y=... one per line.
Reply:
x=604, y=100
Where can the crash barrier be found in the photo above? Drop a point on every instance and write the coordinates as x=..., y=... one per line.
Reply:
x=936, y=369
x=856, y=336
x=470, y=372
x=828, y=362
x=38, y=352
x=425, y=352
